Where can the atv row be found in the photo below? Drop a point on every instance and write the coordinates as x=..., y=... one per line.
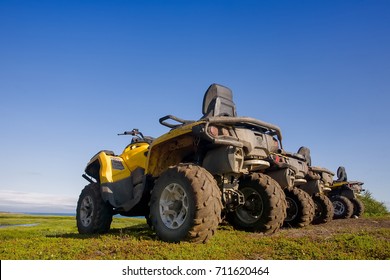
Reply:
x=201, y=172
x=339, y=197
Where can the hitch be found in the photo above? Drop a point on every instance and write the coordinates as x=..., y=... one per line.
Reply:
x=233, y=199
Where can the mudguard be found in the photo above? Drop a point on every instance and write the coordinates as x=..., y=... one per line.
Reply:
x=115, y=179
x=121, y=177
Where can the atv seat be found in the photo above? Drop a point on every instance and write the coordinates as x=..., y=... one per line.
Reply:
x=218, y=101
x=341, y=174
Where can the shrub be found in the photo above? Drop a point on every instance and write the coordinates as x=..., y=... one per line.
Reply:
x=372, y=206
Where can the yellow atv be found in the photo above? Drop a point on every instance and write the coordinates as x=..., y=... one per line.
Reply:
x=344, y=196
x=186, y=180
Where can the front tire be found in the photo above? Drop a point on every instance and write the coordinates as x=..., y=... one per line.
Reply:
x=93, y=215
x=185, y=204
x=300, y=208
x=358, y=207
x=324, y=209
x=265, y=205
x=342, y=206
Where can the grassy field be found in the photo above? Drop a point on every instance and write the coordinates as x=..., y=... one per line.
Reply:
x=29, y=237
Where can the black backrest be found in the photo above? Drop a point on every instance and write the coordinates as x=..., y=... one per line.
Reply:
x=341, y=174
x=218, y=101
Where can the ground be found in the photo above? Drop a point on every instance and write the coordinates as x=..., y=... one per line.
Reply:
x=337, y=227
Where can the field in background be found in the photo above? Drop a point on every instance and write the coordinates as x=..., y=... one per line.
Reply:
x=27, y=237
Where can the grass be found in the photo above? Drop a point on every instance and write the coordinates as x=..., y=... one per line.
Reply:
x=373, y=207
x=56, y=237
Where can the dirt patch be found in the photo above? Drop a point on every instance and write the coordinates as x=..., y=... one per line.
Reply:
x=336, y=227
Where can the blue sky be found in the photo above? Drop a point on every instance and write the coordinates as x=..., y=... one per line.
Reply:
x=73, y=74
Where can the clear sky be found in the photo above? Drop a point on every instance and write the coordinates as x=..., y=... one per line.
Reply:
x=73, y=74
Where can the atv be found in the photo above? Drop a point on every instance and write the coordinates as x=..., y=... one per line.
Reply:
x=289, y=170
x=318, y=181
x=344, y=196
x=185, y=181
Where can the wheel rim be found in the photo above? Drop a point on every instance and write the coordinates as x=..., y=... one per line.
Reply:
x=173, y=206
x=339, y=208
x=252, y=210
x=86, y=211
x=292, y=209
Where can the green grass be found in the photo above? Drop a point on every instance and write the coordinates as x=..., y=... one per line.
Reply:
x=57, y=238
x=373, y=208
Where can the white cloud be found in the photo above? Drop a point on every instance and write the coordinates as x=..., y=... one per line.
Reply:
x=16, y=201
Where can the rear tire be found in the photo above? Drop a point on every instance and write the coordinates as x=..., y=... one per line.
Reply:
x=185, y=204
x=358, y=207
x=342, y=206
x=300, y=208
x=265, y=205
x=93, y=215
x=323, y=209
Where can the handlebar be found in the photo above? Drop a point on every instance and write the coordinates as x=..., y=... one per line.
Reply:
x=134, y=132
